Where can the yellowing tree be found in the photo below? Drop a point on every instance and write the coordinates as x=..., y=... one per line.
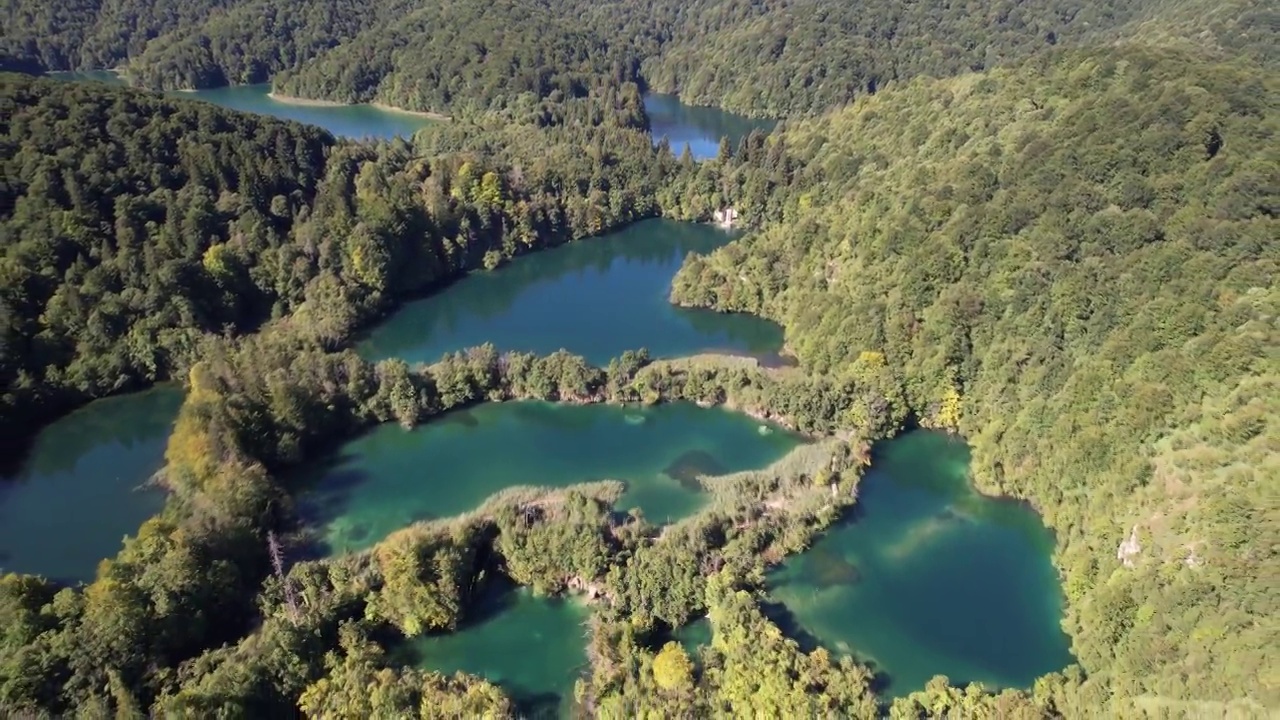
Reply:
x=672, y=669
x=949, y=410
x=488, y=194
x=217, y=261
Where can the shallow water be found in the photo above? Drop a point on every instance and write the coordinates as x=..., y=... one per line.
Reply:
x=929, y=577
x=391, y=477
x=78, y=491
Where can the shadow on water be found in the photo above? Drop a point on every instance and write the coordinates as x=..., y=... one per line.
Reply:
x=493, y=293
x=760, y=337
x=494, y=594
x=325, y=488
x=129, y=421
x=698, y=127
x=831, y=569
x=465, y=418
x=780, y=615
x=537, y=706
x=689, y=467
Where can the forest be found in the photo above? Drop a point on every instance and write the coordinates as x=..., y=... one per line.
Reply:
x=1052, y=230
x=794, y=58
x=136, y=226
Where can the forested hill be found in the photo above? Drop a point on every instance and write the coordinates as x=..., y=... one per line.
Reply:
x=109, y=205
x=1078, y=261
x=772, y=59
x=90, y=34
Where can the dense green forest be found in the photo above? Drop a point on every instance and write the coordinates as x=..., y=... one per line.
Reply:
x=91, y=34
x=1081, y=252
x=766, y=59
x=1069, y=257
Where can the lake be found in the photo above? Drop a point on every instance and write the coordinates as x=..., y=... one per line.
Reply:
x=77, y=492
x=929, y=577
x=391, y=477
x=698, y=127
x=351, y=121
x=596, y=297
x=533, y=648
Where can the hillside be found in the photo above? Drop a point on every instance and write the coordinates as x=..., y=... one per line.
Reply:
x=91, y=34
x=110, y=203
x=1075, y=263
x=798, y=57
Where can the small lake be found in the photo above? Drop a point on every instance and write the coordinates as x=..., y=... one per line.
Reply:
x=533, y=648
x=929, y=577
x=596, y=297
x=698, y=127
x=391, y=477
x=351, y=121
x=77, y=493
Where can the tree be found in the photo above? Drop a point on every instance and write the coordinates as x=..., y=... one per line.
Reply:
x=672, y=669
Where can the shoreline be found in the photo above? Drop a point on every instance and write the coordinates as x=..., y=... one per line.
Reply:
x=311, y=102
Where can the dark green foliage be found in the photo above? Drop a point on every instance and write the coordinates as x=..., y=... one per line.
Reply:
x=134, y=226
x=1074, y=263
x=460, y=57
x=360, y=685
x=90, y=34
x=129, y=224
x=772, y=59
x=811, y=55
x=426, y=580
x=750, y=668
x=663, y=581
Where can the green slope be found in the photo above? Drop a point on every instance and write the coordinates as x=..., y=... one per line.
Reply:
x=1085, y=251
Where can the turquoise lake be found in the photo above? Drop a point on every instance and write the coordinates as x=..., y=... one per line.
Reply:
x=533, y=648
x=351, y=121
x=390, y=477
x=596, y=297
x=929, y=578
x=80, y=489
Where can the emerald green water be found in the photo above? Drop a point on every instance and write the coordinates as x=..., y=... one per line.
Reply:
x=929, y=577
x=596, y=297
x=693, y=636
x=391, y=477
x=533, y=648
x=76, y=494
x=698, y=127
x=352, y=121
